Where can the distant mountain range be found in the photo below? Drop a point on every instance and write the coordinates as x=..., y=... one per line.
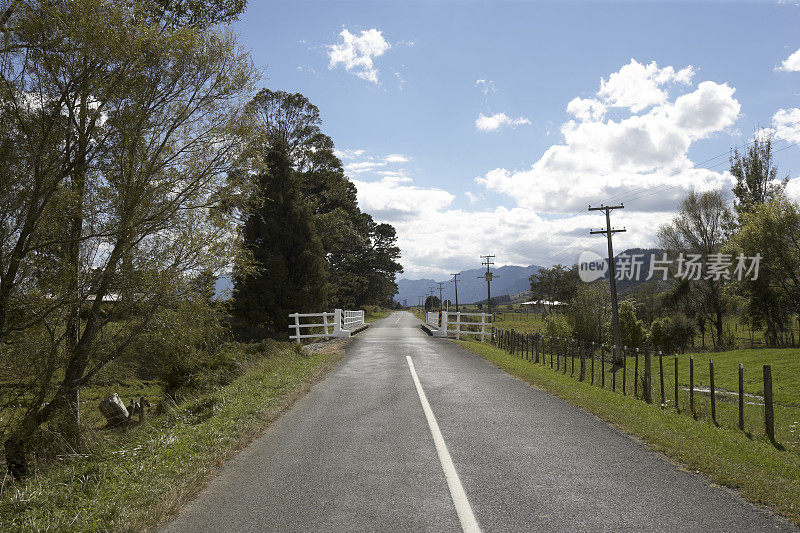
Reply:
x=471, y=288
x=508, y=280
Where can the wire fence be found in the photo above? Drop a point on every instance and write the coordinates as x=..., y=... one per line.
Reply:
x=675, y=382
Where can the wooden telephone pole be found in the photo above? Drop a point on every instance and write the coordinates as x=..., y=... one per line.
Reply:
x=608, y=232
x=441, y=301
x=455, y=280
x=488, y=277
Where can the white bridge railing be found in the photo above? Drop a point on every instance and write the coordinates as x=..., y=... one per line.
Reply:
x=325, y=325
x=352, y=319
x=459, y=324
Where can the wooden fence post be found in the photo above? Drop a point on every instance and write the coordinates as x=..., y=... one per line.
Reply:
x=648, y=376
x=602, y=366
x=572, y=348
x=711, y=384
x=624, y=372
x=636, y=374
x=691, y=385
x=741, y=396
x=769, y=414
x=661, y=372
x=676, y=383
x=613, y=373
x=581, y=353
x=592, y=363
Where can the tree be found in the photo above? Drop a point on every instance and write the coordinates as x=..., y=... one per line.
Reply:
x=126, y=123
x=756, y=175
x=771, y=229
x=671, y=334
x=631, y=329
x=432, y=303
x=361, y=254
x=588, y=312
x=289, y=263
x=699, y=227
x=556, y=284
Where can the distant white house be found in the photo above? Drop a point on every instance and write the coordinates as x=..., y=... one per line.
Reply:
x=541, y=306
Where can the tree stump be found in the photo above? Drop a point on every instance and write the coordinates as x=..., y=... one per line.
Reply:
x=114, y=410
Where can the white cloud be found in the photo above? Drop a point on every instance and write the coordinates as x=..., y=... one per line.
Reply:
x=472, y=197
x=437, y=239
x=637, y=86
x=348, y=154
x=791, y=63
x=396, y=158
x=793, y=189
x=786, y=124
x=394, y=199
x=356, y=53
x=709, y=109
x=486, y=86
x=603, y=158
x=586, y=108
x=498, y=120
x=363, y=166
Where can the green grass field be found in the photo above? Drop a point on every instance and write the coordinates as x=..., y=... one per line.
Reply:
x=764, y=474
x=141, y=474
x=785, y=364
x=741, y=334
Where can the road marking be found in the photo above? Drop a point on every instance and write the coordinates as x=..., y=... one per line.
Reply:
x=398, y=319
x=468, y=522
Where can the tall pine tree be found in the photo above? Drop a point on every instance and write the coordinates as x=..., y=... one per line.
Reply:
x=289, y=274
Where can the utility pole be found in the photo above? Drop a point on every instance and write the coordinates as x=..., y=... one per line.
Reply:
x=488, y=277
x=608, y=232
x=431, y=289
x=441, y=301
x=455, y=280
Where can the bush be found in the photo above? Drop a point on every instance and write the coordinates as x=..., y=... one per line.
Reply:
x=557, y=326
x=631, y=329
x=671, y=334
x=189, y=347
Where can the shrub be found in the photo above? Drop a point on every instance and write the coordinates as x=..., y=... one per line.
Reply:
x=557, y=326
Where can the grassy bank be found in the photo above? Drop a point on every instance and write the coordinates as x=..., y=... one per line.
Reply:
x=758, y=470
x=149, y=470
x=371, y=314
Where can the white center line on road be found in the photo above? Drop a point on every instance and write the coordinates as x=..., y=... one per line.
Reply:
x=468, y=522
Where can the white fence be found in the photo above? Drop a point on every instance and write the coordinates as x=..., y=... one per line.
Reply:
x=333, y=325
x=459, y=324
x=351, y=319
x=470, y=325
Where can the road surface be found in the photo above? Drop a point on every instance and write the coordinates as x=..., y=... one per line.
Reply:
x=411, y=433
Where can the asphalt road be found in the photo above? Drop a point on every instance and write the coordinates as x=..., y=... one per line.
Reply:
x=362, y=452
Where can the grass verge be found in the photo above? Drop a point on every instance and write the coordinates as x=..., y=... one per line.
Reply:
x=759, y=471
x=165, y=460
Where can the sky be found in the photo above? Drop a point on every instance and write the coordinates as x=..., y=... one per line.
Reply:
x=489, y=128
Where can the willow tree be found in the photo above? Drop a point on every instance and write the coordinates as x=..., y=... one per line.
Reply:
x=125, y=118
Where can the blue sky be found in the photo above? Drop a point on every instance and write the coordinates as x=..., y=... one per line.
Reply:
x=488, y=127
